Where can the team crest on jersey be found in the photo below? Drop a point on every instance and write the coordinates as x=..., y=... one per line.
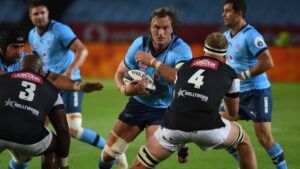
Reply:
x=44, y=53
x=155, y=76
x=230, y=57
x=259, y=42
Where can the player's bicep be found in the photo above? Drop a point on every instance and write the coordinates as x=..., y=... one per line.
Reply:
x=255, y=43
x=234, y=90
x=65, y=34
x=122, y=68
x=129, y=60
x=183, y=54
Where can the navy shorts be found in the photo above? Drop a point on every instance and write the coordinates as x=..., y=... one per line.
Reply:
x=259, y=103
x=255, y=105
x=72, y=100
x=141, y=115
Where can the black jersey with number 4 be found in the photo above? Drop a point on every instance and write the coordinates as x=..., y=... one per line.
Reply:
x=200, y=86
x=25, y=101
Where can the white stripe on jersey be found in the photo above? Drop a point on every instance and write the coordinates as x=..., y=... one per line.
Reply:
x=235, y=87
x=58, y=101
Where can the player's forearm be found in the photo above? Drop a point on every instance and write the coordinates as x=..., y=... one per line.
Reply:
x=167, y=72
x=59, y=122
x=119, y=75
x=232, y=106
x=79, y=59
x=61, y=82
x=265, y=62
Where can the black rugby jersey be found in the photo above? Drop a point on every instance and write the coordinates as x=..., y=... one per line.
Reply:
x=200, y=86
x=25, y=100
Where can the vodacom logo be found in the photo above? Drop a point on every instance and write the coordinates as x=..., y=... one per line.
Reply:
x=95, y=31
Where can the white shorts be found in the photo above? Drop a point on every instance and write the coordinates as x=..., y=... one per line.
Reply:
x=23, y=151
x=205, y=139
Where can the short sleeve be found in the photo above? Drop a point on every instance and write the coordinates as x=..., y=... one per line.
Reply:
x=65, y=34
x=183, y=53
x=234, y=90
x=130, y=55
x=255, y=42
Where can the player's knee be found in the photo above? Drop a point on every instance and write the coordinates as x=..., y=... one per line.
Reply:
x=21, y=159
x=75, y=128
x=116, y=149
x=241, y=137
x=146, y=158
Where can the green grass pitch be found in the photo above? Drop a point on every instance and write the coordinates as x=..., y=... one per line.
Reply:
x=100, y=110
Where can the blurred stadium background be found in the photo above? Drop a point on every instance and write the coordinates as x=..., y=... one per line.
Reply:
x=107, y=27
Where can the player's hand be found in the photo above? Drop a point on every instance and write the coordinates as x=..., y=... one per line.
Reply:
x=182, y=154
x=136, y=87
x=239, y=76
x=143, y=57
x=88, y=87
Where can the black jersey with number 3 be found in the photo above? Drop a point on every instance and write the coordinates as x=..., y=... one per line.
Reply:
x=200, y=86
x=25, y=101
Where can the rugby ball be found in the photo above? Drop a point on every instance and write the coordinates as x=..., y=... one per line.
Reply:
x=136, y=74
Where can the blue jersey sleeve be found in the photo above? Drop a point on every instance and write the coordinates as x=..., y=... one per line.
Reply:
x=65, y=34
x=183, y=53
x=130, y=55
x=255, y=42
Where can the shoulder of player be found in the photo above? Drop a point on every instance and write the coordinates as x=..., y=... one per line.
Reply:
x=229, y=69
x=178, y=43
x=250, y=30
x=55, y=25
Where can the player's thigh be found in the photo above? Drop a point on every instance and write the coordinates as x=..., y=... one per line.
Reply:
x=157, y=150
x=150, y=130
x=235, y=134
x=124, y=131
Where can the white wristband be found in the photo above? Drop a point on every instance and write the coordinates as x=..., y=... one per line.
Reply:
x=63, y=162
x=157, y=65
x=151, y=62
x=248, y=74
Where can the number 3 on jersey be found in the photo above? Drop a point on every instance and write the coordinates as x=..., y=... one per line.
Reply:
x=197, y=79
x=28, y=94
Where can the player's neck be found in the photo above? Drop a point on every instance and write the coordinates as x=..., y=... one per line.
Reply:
x=238, y=26
x=42, y=29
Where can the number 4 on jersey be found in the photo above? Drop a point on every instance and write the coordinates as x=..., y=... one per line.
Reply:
x=197, y=79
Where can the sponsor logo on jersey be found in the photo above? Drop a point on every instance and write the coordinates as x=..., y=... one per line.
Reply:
x=205, y=63
x=15, y=104
x=184, y=93
x=28, y=76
